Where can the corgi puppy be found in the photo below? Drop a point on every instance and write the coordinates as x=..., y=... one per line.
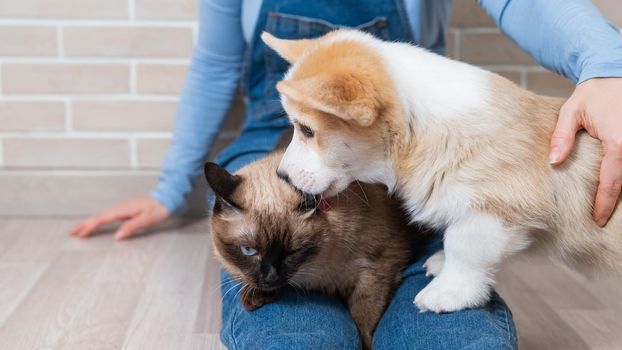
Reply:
x=465, y=149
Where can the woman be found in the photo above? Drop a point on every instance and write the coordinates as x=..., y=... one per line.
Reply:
x=230, y=51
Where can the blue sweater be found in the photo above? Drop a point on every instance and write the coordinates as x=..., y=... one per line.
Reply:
x=570, y=37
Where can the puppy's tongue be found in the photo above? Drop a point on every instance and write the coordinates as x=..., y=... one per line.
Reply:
x=324, y=205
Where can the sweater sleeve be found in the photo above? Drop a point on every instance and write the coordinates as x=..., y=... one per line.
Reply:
x=210, y=86
x=569, y=37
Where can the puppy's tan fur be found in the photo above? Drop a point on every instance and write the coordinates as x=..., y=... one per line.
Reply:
x=360, y=246
x=474, y=159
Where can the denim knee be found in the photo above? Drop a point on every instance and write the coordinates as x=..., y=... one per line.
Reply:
x=295, y=321
x=487, y=328
x=403, y=327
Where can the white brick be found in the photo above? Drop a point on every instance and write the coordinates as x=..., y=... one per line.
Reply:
x=166, y=9
x=160, y=78
x=123, y=115
x=58, y=153
x=77, y=9
x=31, y=116
x=69, y=78
x=27, y=41
x=151, y=152
x=128, y=42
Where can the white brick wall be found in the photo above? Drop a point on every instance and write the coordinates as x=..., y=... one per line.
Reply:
x=88, y=91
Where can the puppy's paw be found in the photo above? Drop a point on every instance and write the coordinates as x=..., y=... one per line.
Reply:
x=449, y=295
x=434, y=264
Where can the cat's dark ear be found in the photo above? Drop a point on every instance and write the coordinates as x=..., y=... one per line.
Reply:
x=222, y=182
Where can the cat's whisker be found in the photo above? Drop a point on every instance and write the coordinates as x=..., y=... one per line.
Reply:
x=365, y=199
x=220, y=286
x=363, y=190
x=295, y=287
x=317, y=203
x=240, y=291
x=230, y=289
x=357, y=195
x=300, y=286
x=253, y=291
x=223, y=283
x=230, y=281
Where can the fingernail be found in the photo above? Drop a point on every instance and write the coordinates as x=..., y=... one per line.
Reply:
x=554, y=155
x=601, y=222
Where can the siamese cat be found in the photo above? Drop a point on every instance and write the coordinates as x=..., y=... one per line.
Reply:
x=271, y=236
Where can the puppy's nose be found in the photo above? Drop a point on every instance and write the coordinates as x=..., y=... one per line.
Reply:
x=283, y=176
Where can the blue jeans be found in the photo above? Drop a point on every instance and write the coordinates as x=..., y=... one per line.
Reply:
x=314, y=321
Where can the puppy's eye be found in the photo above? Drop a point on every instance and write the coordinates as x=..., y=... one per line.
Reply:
x=306, y=131
x=248, y=251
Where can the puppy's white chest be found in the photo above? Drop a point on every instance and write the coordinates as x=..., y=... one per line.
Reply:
x=439, y=206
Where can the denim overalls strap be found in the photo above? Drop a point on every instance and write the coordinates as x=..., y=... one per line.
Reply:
x=298, y=19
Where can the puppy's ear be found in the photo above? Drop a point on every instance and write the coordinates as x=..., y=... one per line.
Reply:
x=343, y=95
x=222, y=183
x=290, y=50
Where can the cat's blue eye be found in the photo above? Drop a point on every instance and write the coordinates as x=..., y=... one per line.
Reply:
x=248, y=251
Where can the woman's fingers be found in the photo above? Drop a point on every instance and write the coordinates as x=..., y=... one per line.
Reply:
x=596, y=104
x=563, y=137
x=90, y=225
x=141, y=221
x=610, y=183
x=140, y=212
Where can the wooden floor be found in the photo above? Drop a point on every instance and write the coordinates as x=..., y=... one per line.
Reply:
x=160, y=291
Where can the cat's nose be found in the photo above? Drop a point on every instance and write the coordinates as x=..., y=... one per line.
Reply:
x=271, y=276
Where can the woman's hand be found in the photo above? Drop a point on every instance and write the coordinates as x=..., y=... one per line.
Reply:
x=138, y=213
x=596, y=106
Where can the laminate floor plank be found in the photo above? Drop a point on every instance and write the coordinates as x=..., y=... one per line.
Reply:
x=539, y=326
x=9, y=231
x=204, y=341
x=208, y=321
x=16, y=281
x=106, y=312
x=43, y=317
x=601, y=329
x=36, y=240
x=166, y=311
